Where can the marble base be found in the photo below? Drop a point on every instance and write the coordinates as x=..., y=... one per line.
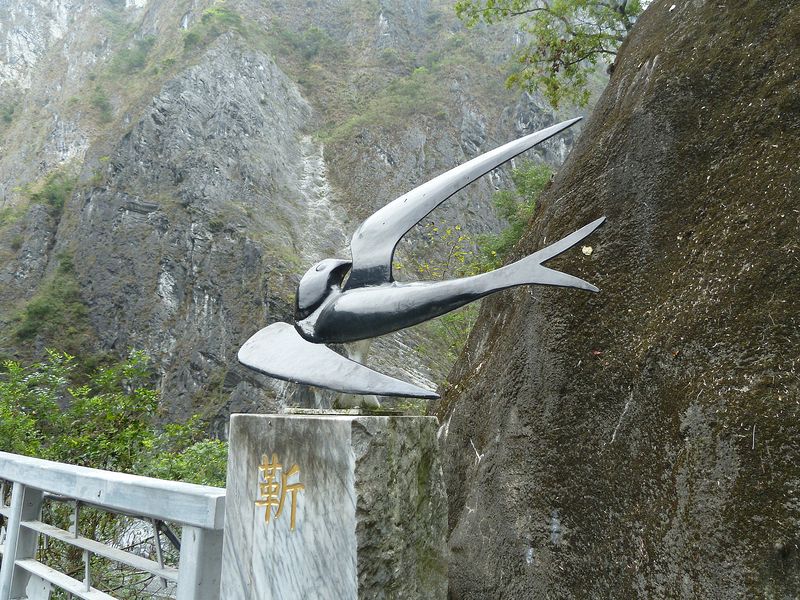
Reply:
x=370, y=519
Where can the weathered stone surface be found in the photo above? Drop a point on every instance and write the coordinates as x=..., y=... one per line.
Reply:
x=33, y=235
x=371, y=520
x=643, y=442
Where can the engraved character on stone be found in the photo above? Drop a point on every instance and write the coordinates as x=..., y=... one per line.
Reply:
x=273, y=486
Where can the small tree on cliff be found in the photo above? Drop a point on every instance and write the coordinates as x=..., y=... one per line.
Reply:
x=566, y=39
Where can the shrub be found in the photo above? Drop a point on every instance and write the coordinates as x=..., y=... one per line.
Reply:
x=130, y=60
x=7, y=110
x=106, y=419
x=214, y=22
x=55, y=191
x=100, y=101
x=419, y=93
x=515, y=206
x=57, y=312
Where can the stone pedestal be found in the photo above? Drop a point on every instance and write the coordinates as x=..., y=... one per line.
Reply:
x=370, y=511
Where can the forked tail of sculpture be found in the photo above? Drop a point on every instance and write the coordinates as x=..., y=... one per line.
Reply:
x=280, y=351
x=529, y=270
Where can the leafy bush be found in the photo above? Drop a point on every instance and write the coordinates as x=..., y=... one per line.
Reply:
x=213, y=23
x=462, y=256
x=515, y=206
x=57, y=312
x=7, y=110
x=55, y=191
x=448, y=334
x=10, y=214
x=100, y=101
x=130, y=60
x=107, y=419
x=308, y=44
x=455, y=249
x=203, y=462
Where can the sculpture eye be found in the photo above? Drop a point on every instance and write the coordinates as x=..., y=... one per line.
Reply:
x=320, y=266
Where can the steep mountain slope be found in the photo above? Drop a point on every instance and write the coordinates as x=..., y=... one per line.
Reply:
x=643, y=442
x=170, y=169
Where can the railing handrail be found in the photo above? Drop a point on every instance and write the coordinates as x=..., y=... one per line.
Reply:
x=184, y=503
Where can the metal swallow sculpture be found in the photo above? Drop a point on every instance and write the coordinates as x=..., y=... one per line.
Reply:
x=348, y=300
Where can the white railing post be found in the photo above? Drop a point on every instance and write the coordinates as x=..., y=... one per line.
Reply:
x=26, y=505
x=200, y=564
x=198, y=510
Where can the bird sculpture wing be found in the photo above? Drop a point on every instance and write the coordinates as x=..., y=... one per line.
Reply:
x=374, y=241
x=279, y=351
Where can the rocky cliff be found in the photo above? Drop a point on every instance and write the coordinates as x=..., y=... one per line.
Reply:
x=169, y=169
x=642, y=442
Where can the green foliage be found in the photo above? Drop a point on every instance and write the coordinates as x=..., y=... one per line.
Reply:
x=107, y=419
x=567, y=39
x=308, y=44
x=517, y=208
x=116, y=22
x=448, y=334
x=217, y=224
x=18, y=431
x=10, y=214
x=131, y=60
x=454, y=247
x=213, y=23
x=57, y=312
x=461, y=255
x=54, y=192
x=464, y=256
x=101, y=103
x=203, y=462
x=7, y=110
x=419, y=93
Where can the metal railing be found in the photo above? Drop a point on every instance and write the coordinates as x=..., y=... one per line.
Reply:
x=198, y=510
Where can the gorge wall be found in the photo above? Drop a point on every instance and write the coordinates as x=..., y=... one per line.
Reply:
x=169, y=169
x=642, y=442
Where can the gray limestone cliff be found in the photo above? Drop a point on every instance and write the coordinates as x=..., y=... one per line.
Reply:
x=168, y=170
x=643, y=442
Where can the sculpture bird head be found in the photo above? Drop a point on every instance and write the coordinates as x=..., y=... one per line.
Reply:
x=316, y=285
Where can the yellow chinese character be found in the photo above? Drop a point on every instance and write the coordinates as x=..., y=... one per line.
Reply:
x=272, y=493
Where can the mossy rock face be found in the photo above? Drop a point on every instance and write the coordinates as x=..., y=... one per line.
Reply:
x=645, y=441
